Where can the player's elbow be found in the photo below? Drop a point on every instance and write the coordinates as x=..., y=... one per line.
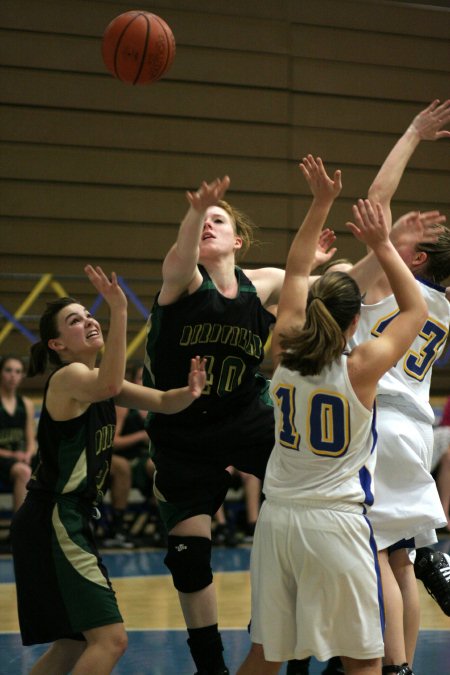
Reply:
x=376, y=193
x=111, y=390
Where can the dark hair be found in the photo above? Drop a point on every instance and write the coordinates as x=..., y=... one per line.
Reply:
x=243, y=226
x=40, y=352
x=333, y=301
x=437, y=266
x=10, y=357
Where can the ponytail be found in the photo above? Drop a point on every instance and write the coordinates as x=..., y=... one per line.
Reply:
x=38, y=359
x=40, y=352
x=333, y=301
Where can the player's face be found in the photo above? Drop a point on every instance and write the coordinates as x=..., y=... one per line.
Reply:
x=407, y=254
x=78, y=331
x=11, y=374
x=218, y=236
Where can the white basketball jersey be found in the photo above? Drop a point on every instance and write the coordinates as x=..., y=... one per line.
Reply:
x=410, y=379
x=325, y=441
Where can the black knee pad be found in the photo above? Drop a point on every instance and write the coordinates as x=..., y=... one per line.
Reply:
x=189, y=561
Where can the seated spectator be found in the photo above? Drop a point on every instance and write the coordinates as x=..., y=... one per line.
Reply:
x=17, y=430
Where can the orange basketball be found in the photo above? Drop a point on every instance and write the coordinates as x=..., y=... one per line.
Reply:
x=138, y=47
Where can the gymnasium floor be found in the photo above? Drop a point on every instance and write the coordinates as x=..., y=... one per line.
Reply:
x=157, y=639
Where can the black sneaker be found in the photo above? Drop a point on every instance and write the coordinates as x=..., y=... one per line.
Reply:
x=404, y=669
x=433, y=569
x=334, y=667
x=298, y=666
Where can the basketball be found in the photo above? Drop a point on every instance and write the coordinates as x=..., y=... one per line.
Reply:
x=138, y=47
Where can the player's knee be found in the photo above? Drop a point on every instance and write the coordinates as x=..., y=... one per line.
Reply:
x=189, y=561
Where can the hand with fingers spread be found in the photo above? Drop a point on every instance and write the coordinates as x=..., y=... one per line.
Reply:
x=428, y=123
x=370, y=225
x=109, y=288
x=208, y=194
x=408, y=230
x=323, y=187
x=325, y=249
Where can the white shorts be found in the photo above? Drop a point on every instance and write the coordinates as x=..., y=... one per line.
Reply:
x=407, y=502
x=441, y=443
x=315, y=584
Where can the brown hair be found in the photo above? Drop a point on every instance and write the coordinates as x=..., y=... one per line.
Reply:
x=437, y=266
x=331, y=263
x=333, y=301
x=243, y=226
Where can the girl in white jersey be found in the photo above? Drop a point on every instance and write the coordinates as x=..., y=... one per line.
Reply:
x=315, y=582
x=407, y=506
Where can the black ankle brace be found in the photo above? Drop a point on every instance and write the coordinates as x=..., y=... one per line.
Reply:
x=404, y=669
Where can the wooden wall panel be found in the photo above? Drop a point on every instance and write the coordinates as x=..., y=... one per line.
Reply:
x=361, y=47
x=328, y=113
x=383, y=16
x=143, y=132
x=104, y=93
x=197, y=64
x=118, y=242
x=348, y=79
x=136, y=168
x=91, y=168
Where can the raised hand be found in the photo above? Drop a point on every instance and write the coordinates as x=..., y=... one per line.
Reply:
x=428, y=123
x=208, y=194
x=324, y=252
x=370, y=225
x=197, y=376
x=321, y=185
x=408, y=231
x=109, y=288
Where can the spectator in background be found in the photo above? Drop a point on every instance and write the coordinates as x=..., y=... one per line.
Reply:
x=17, y=429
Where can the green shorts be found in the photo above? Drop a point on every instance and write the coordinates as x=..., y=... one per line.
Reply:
x=63, y=587
x=174, y=512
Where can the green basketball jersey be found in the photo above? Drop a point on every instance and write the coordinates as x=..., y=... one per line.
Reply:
x=229, y=332
x=75, y=455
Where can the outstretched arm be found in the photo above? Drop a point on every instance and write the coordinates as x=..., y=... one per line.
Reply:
x=292, y=304
x=426, y=126
x=169, y=402
x=180, y=264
